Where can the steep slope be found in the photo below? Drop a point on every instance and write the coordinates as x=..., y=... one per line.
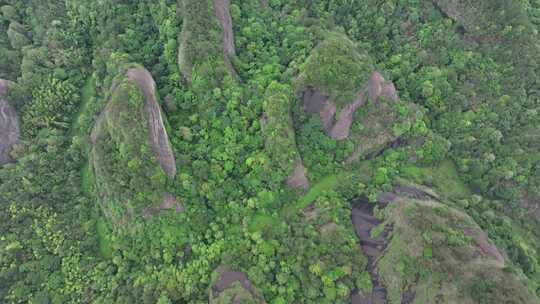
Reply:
x=131, y=153
x=9, y=124
x=234, y=287
x=278, y=130
x=159, y=140
x=206, y=42
x=340, y=84
x=424, y=250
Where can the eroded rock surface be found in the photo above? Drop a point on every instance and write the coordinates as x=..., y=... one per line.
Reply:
x=159, y=140
x=364, y=221
x=237, y=284
x=207, y=34
x=9, y=124
x=428, y=234
x=463, y=12
x=378, y=87
x=277, y=127
x=484, y=246
x=169, y=202
x=338, y=124
x=222, y=10
x=129, y=134
x=298, y=179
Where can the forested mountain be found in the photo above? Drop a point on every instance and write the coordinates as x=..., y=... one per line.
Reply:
x=269, y=151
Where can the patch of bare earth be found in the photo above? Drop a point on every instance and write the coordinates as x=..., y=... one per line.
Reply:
x=9, y=124
x=159, y=140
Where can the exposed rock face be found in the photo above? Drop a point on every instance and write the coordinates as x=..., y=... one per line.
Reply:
x=159, y=140
x=364, y=222
x=237, y=285
x=378, y=87
x=206, y=34
x=298, y=178
x=130, y=133
x=342, y=127
x=222, y=10
x=420, y=232
x=9, y=124
x=169, y=202
x=277, y=127
x=463, y=12
x=338, y=125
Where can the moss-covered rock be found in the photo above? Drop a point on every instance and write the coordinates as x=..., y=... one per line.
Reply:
x=439, y=254
x=206, y=41
x=131, y=155
x=339, y=83
x=278, y=129
x=382, y=121
x=338, y=68
x=234, y=287
x=474, y=15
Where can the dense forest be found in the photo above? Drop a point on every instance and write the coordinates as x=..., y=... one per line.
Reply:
x=269, y=151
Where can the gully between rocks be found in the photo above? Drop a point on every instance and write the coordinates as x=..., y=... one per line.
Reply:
x=364, y=221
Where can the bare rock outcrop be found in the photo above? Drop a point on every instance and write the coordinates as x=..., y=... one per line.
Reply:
x=130, y=135
x=463, y=12
x=298, y=178
x=338, y=125
x=206, y=34
x=237, y=287
x=438, y=236
x=278, y=129
x=9, y=124
x=159, y=140
x=222, y=11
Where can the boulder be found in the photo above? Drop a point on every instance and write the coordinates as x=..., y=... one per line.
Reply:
x=298, y=178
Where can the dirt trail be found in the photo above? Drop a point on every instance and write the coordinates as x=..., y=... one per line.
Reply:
x=364, y=221
x=9, y=124
x=159, y=140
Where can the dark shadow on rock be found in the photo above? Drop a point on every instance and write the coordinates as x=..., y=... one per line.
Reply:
x=364, y=221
